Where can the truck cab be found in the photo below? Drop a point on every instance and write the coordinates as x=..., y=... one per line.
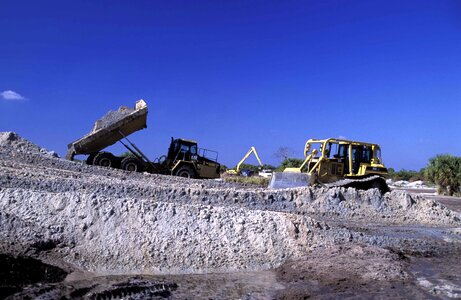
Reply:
x=185, y=159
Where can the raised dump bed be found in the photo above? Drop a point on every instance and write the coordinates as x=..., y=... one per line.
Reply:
x=183, y=158
x=111, y=128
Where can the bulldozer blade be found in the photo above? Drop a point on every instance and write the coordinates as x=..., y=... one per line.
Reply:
x=283, y=180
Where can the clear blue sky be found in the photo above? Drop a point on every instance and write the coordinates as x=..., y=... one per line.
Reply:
x=232, y=74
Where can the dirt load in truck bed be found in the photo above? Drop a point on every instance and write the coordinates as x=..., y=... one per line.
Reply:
x=111, y=128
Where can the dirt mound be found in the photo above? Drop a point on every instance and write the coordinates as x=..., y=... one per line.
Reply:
x=115, y=222
x=138, y=235
x=13, y=143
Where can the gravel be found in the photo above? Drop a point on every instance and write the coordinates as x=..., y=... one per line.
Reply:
x=111, y=117
x=12, y=143
x=114, y=222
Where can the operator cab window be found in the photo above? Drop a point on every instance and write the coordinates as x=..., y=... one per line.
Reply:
x=193, y=149
x=343, y=156
x=332, y=150
x=357, y=152
x=378, y=154
x=343, y=151
x=184, y=148
x=188, y=151
x=367, y=154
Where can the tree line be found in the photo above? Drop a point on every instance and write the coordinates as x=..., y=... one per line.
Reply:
x=444, y=170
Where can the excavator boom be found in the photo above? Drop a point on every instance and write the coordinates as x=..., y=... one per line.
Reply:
x=252, y=150
x=245, y=157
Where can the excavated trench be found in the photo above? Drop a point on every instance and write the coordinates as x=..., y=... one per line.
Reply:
x=119, y=234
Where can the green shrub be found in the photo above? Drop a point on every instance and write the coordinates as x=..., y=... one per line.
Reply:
x=253, y=168
x=268, y=167
x=407, y=175
x=445, y=171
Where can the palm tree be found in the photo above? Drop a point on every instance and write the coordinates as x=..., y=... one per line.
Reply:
x=445, y=171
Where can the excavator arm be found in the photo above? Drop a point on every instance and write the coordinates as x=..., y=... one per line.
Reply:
x=237, y=169
x=252, y=150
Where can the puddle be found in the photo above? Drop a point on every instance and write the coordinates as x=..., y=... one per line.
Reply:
x=440, y=276
x=240, y=285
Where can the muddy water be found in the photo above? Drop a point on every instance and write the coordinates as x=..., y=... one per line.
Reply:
x=243, y=285
x=29, y=278
x=435, y=266
x=439, y=276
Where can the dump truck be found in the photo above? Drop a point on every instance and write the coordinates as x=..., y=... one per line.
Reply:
x=183, y=158
x=336, y=163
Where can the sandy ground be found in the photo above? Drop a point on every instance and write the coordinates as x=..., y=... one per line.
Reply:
x=72, y=231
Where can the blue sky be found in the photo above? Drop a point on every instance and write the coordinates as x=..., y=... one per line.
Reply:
x=232, y=74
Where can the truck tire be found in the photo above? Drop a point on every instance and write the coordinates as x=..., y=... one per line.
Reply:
x=105, y=159
x=186, y=172
x=131, y=164
x=90, y=158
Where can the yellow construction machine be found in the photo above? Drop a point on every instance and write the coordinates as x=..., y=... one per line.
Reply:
x=237, y=170
x=336, y=162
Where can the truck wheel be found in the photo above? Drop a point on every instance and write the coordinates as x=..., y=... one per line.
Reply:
x=132, y=164
x=105, y=159
x=90, y=158
x=186, y=172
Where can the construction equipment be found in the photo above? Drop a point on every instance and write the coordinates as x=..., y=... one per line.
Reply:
x=184, y=158
x=237, y=170
x=336, y=162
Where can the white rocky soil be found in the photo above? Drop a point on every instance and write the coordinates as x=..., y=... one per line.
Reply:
x=110, y=221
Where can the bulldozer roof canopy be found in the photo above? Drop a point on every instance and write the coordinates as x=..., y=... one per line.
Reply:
x=340, y=141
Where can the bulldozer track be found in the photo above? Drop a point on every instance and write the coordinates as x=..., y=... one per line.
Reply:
x=363, y=183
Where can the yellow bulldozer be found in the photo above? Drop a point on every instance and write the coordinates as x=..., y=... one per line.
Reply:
x=336, y=162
